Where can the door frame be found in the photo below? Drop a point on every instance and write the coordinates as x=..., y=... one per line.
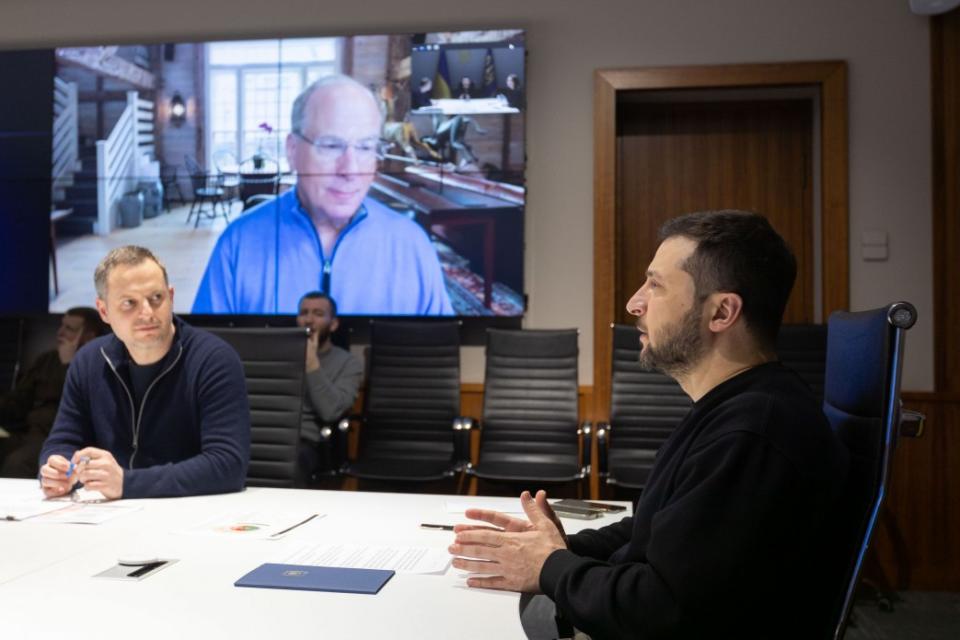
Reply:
x=831, y=79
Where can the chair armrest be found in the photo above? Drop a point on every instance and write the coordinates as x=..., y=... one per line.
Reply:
x=603, y=445
x=585, y=432
x=912, y=423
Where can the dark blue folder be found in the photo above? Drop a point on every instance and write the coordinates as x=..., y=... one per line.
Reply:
x=310, y=578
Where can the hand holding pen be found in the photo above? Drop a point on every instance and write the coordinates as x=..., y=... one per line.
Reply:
x=99, y=471
x=58, y=476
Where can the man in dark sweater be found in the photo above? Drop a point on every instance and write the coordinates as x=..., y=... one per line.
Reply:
x=27, y=411
x=156, y=409
x=732, y=536
x=333, y=379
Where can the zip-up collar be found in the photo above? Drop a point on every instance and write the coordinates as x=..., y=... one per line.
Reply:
x=121, y=358
x=327, y=270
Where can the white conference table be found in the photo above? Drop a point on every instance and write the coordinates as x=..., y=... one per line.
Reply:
x=47, y=588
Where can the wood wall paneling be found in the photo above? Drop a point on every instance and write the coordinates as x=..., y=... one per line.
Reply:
x=677, y=157
x=916, y=541
x=828, y=76
x=945, y=82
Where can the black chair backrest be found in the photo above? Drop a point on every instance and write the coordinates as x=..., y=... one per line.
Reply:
x=530, y=393
x=413, y=386
x=273, y=362
x=861, y=401
x=645, y=406
x=803, y=348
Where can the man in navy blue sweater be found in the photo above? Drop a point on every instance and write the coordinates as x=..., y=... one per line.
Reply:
x=734, y=535
x=158, y=408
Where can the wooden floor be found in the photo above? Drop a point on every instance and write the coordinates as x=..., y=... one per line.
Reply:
x=180, y=246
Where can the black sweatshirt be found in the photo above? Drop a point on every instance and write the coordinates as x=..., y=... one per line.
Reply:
x=731, y=537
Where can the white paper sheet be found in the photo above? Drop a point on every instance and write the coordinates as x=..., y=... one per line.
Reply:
x=400, y=559
x=87, y=513
x=256, y=525
x=23, y=508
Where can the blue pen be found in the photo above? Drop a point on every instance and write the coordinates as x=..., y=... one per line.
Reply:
x=73, y=466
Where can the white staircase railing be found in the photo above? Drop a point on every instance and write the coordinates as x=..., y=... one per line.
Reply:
x=117, y=161
x=65, y=133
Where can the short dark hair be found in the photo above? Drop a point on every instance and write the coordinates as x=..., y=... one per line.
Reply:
x=91, y=319
x=319, y=295
x=739, y=252
x=129, y=256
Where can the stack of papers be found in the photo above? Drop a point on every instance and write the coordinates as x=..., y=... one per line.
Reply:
x=399, y=559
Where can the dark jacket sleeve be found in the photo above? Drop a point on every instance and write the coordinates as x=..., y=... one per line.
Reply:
x=709, y=547
x=332, y=395
x=224, y=423
x=600, y=544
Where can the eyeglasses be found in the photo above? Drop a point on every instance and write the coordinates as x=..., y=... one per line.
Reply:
x=332, y=147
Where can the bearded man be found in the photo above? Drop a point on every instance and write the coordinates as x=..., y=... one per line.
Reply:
x=733, y=535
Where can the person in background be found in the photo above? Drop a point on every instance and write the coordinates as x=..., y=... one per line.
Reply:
x=332, y=381
x=158, y=408
x=27, y=412
x=465, y=91
x=513, y=93
x=734, y=535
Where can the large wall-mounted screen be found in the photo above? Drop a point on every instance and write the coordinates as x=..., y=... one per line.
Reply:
x=386, y=170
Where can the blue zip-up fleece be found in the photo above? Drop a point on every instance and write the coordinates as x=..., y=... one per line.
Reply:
x=191, y=433
x=382, y=264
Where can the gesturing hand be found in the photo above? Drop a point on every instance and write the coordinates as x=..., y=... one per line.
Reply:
x=510, y=555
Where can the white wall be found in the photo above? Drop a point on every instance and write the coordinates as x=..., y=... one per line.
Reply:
x=886, y=48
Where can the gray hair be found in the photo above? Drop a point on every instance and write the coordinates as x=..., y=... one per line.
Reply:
x=128, y=256
x=300, y=104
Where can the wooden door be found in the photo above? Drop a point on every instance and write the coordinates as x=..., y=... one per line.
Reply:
x=678, y=157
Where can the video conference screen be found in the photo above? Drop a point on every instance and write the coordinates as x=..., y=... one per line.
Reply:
x=385, y=170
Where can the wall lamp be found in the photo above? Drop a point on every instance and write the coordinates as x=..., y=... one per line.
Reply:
x=178, y=110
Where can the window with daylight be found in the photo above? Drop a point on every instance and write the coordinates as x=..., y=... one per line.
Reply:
x=251, y=86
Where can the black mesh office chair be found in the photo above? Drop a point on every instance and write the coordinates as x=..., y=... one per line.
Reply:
x=411, y=429
x=273, y=363
x=530, y=430
x=645, y=408
x=862, y=403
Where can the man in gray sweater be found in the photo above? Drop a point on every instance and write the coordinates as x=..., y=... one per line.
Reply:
x=333, y=378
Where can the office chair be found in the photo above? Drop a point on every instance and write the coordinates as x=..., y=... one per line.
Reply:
x=530, y=431
x=273, y=364
x=862, y=403
x=645, y=409
x=410, y=429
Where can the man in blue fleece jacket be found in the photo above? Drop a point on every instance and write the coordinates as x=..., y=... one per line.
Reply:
x=156, y=409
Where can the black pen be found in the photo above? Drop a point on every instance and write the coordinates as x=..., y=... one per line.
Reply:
x=442, y=527
x=288, y=529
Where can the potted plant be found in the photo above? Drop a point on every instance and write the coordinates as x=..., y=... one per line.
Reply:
x=259, y=156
